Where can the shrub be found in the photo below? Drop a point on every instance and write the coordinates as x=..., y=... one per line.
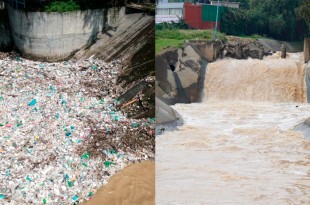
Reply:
x=62, y=6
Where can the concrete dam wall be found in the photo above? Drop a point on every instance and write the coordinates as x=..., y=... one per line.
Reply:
x=5, y=34
x=54, y=36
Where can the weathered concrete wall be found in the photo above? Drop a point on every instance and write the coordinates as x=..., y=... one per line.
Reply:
x=211, y=50
x=2, y=5
x=166, y=117
x=164, y=113
x=5, y=34
x=54, y=36
x=115, y=16
x=185, y=83
x=307, y=49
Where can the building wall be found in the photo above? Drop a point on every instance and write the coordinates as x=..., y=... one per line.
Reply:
x=226, y=4
x=167, y=12
x=54, y=36
x=193, y=17
x=178, y=12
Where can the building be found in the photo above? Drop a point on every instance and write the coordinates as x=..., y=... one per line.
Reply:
x=201, y=16
x=168, y=11
x=226, y=4
x=198, y=14
x=170, y=8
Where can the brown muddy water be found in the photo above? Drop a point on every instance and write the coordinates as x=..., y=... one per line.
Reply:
x=133, y=185
x=239, y=146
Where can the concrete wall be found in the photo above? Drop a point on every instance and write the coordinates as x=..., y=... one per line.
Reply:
x=307, y=49
x=185, y=83
x=54, y=36
x=115, y=16
x=211, y=50
x=5, y=34
x=2, y=5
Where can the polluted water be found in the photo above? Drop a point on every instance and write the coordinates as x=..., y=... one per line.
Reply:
x=132, y=185
x=239, y=145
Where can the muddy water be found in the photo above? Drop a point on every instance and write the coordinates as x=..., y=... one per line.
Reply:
x=238, y=152
x=272, y=80
x=133, y=185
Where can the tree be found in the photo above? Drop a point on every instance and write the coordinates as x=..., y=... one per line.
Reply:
x=303, y=11
x=274, y=18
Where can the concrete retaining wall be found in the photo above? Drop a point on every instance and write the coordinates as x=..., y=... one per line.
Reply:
x=5, y=34
x=2, y=5
x=54, y=36
x=185, y=83
x=211, y=50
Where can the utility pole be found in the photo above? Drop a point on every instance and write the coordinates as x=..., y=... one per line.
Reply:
x=217, y=13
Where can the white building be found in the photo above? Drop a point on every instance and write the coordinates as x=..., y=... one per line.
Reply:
x=167, y=12
x=226, y=4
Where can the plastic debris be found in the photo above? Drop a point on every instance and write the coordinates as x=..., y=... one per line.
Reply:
x=61, y=132
x=85, y=156
x=32, y=103
x=108, y=163
x=75, y=198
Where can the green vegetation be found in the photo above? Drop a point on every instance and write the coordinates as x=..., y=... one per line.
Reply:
x=73, y=5
x=175, y=37
x=279, y=19
x=69, y=5
x=254, y=36
x=188, y=34
x=303, y=11
x=164, y=26
x=62, y=6
x=162, y=43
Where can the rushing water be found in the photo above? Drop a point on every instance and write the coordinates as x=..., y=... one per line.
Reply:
x=239, y=152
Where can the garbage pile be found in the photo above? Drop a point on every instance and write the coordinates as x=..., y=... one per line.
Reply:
x=6, y=54
x=61, y=136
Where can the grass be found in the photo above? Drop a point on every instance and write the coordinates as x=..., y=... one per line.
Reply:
x=175, y=38
x=163, y=43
